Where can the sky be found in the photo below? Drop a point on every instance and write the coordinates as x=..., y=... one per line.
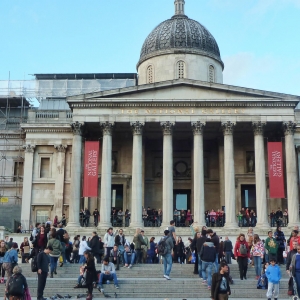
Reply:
x=258, y=39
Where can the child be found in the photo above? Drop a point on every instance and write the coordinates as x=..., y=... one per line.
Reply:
x=262, y=282
x=274, y=275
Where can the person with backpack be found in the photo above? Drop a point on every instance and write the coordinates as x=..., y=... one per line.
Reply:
x=207, y=256
x=16, y=285
x=242, y=254
x=10, y=260
x=55, y=254
x=165, y=247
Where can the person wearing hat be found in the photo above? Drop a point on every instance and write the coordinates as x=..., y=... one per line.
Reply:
x=10, y=259
x=43, y=261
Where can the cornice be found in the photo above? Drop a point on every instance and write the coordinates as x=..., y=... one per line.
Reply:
x=145, y=103
x=12, y=136
x=47, y=130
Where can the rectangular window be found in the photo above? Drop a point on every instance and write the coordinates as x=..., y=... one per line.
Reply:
x=18, y=170
x=45, y=167
x=42, y=216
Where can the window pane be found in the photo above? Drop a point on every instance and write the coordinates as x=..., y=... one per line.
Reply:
x=42, y=216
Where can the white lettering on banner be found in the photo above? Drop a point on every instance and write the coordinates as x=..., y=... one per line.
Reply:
x=92, y=163
x=276, y=164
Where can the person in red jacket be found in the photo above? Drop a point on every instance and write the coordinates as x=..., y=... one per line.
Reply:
x=242, y=254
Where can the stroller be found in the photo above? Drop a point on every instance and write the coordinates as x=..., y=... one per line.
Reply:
x=292, y=290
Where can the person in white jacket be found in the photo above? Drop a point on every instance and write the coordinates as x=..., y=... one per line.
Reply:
x=82, y=248
x=109, y=241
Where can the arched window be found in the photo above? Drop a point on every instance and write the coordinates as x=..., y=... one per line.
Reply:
x=180, y=69
x=150, y=74
x=211, y=75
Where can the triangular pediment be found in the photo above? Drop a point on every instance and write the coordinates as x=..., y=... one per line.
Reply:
x=186, y=89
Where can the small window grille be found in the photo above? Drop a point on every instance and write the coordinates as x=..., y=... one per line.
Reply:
x=180, y=69
x=211, y=73
x=150, y=74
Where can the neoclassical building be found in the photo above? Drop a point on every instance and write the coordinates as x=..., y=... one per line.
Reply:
x=177, y=137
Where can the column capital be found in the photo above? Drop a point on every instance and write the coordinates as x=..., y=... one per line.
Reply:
x=29, y=148
x=228, y=127
x=258, y=127
x=167, y=127
x=198, y=127
x=107, y=127
x=61, y=148
x=77, y=128
x=137, y=127
x=289, y=127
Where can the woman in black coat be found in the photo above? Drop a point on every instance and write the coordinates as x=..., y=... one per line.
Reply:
x=180, y=250
x=91, y=275
x=280, y=239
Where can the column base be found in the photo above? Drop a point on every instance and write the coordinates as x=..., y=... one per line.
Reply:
x=103, y=225
x=292, y=225
x=231, y=225
x=72, y=226
x=266, y=226
x=135, y=225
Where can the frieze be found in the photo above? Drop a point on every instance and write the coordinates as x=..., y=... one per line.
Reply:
x=47, y=130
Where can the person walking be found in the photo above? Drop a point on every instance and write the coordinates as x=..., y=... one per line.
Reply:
x=207, y=256
x=290, y=255
x=95, y=246
x=199, y=243
x=10, y=259
x=220, y=288
x=271, y=246
x=96, y=215
x=55, y=254
x=167, y=257
x=43, y=261
x=216, y=240
x=227, y=250
x=273, y=274
x=16, y=291
x=295, y=268
x=91, y=275
x=82, y=248
x=257, y=252
x=242, y=253
x=138, y=242
x=280, y=239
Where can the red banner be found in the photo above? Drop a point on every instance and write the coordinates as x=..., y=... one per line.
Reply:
x=90, y=177
x=275, y=166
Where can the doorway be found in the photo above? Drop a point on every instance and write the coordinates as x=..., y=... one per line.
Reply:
x=248, y=196
x=117, y=196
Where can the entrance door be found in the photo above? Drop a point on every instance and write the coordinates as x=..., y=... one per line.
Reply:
x=181, y=201
x=248, y=196
x=117, y=196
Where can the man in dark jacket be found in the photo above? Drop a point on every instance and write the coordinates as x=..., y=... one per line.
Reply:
x=95, y=246
x=215, y=239
x=199, y=244
x=290, y=256
x=207, y=256
x=43, y=261
x=167, y=258
x=220, y=288
x=227, y=249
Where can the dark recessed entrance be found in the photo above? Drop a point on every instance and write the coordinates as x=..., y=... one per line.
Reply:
x=117, y=196
x=248, y=196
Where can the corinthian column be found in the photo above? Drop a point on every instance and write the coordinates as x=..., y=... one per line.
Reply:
x=229, y=174
x=105, y=196
x=137, y=176
x=260, y=175
x=59, y=178
x=27, y=187
x=167, y=173
x=291, y=174
x=76, y=171
x=199, y=206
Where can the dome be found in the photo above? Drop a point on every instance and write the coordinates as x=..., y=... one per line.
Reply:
x=180, y=35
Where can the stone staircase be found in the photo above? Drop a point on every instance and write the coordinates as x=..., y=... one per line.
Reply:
x=146, y=281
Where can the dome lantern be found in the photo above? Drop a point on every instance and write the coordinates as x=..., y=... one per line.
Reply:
x=179, y=7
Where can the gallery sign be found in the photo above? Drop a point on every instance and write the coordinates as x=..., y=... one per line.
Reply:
x=90, y=176
x=275, y=166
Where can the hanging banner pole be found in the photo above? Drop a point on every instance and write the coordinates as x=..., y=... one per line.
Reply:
x=90, y=175
x=275, y=167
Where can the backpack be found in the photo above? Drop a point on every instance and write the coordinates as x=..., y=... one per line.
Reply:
x=262, y=282
x=243, y=249
x=15, y=285
x=162, y=247
x=34, y=267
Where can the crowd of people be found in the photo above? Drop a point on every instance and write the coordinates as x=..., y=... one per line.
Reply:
x=210, y=255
